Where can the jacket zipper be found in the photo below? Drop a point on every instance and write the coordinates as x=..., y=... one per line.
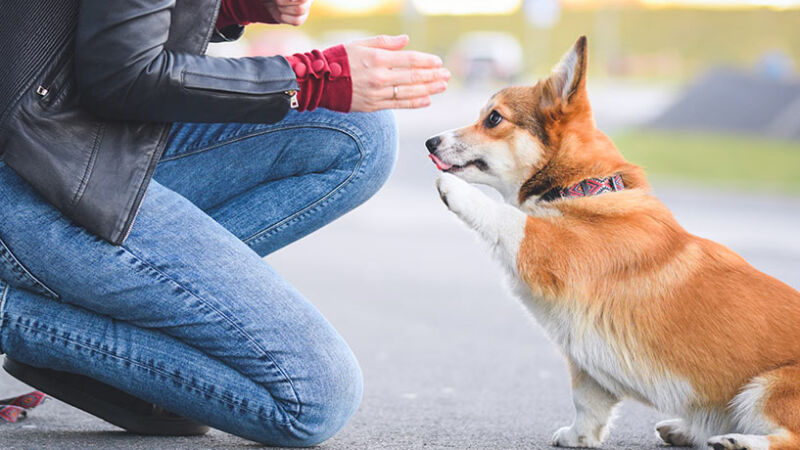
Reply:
x=46, y=85
x=293, y=103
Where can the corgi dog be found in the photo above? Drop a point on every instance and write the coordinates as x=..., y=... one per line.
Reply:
x=639, y=307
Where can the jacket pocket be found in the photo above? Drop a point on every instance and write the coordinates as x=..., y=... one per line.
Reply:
x=53, y=147
x=16, y=275
x=51, y=85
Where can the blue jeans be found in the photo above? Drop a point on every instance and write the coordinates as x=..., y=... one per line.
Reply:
x=186, y=314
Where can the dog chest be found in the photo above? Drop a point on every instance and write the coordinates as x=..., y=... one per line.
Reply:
x=613, y=361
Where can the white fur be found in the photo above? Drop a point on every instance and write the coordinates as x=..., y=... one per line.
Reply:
x=502, y=226
x=622, y=371
x=675, y=432
x=704, y=423
x=616, y=370
x=564, y=73
x=504, y=174
x=594, y=410
x=610, y=364
x=573, y=436
x=739, y=442
x=748, y=416
x=748, y=410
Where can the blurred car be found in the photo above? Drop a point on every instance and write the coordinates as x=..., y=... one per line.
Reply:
x=486, y=56
x=776, y=65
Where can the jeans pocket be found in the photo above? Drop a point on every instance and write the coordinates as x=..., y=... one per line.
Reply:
x=16, y=275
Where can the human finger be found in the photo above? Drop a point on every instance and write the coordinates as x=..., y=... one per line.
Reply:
x=385, y=42
x=412, y=103
x=411, y=59
x=412, y=91
x=293, y=20
x=294, y=10
x=290, y=2
x=417, y=76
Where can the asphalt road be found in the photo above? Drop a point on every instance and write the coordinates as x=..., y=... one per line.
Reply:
x=451, y=360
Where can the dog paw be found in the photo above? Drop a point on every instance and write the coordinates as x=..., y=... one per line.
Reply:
x=570, y=437
x=457, y=194
x=674, y=432
x=448, y=184
x=738, y=442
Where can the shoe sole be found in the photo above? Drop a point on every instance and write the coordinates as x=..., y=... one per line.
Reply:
x=46, y=380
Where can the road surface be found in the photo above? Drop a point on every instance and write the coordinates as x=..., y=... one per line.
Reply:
x=451, y=360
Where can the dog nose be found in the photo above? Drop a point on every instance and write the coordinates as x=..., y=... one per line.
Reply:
x=432, y=143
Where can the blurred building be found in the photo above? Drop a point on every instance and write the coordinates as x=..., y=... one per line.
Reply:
x=664, y=40
x=727, y=100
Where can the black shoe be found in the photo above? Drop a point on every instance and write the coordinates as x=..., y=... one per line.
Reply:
x=108, y=403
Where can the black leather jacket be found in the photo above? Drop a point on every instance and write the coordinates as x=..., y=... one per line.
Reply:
x=88, y=89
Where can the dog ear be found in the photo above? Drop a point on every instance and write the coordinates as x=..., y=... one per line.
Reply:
x=569, y=75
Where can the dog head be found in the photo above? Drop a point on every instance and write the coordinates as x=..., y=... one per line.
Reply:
x=530, y=139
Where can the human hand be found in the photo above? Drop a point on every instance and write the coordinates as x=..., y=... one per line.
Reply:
x=292, y=12
x=379, y=69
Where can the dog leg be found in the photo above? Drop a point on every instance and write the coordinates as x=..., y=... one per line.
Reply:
x=594, y=407
x=766, y=413
x=674, y=432
x=502, y=225
x=739, y=442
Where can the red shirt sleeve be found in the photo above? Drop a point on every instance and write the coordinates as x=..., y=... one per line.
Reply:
x=242, y=12
x=324, y=79
x=323, y=76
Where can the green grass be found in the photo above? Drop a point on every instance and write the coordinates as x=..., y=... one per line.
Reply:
x=675, y=43
x=722, y=160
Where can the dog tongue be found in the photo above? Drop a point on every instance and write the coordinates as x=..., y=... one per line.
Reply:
x=441, y=165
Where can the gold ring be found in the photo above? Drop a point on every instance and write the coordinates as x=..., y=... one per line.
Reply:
x=394, y=97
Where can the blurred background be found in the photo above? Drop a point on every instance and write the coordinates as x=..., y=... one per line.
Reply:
x=703, y=93
x=703, y=90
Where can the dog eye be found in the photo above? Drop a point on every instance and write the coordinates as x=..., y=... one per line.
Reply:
x=493, y=119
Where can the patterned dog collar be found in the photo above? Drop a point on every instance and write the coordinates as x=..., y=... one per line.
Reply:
x=585, y=188
x=13, y=409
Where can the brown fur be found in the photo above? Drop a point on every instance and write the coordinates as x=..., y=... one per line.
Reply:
x=781, y=405
x=693, y=305
x=689, y=306
x=628, y=258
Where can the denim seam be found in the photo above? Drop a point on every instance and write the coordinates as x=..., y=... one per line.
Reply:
x=16, y=266
x=317, y=204
x=3, y=312
x=300, y=215
x=295, y=414
x=143, y=365
x=235, y=137
x=3, y=297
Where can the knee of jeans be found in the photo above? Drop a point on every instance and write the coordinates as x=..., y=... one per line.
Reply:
x=328, y=401
x=379, y=137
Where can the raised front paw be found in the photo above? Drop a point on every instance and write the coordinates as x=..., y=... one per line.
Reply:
x=570, y=437
x=459, y=196
x=674, y=432
x=449, y=186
